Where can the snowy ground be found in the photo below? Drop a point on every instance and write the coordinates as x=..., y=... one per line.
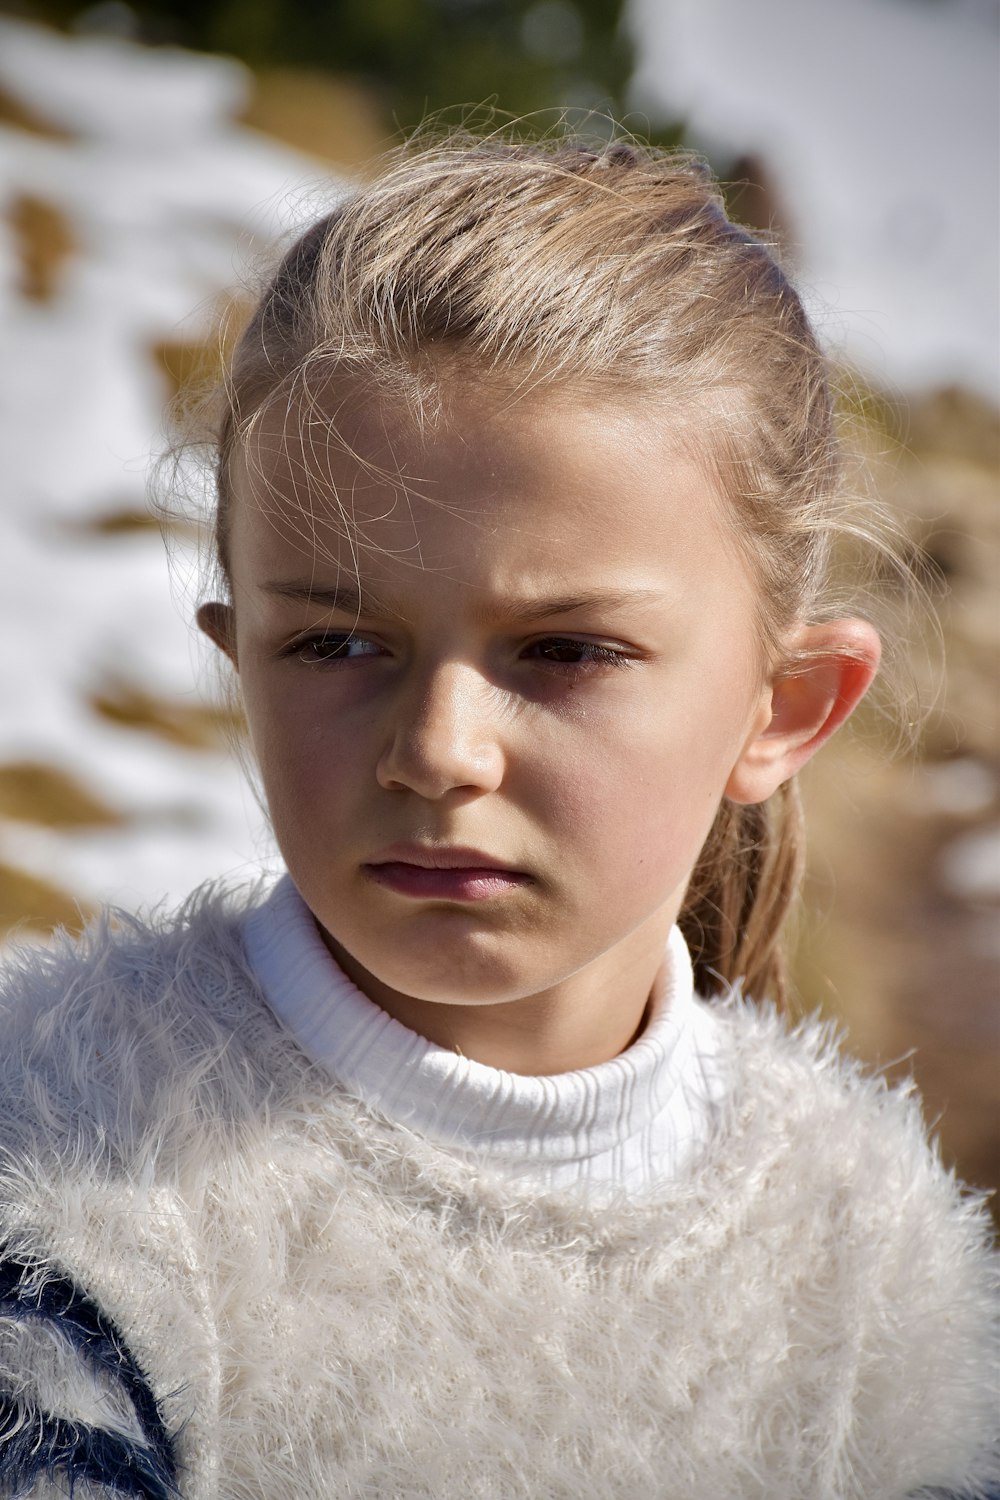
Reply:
x=164, y=200
x=879, y=121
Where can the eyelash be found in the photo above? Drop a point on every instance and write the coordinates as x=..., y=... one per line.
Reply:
x=334, y=641
x=590, y=653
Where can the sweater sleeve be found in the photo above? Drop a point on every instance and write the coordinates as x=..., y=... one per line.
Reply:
x=107, y=1339
x=75, y=1404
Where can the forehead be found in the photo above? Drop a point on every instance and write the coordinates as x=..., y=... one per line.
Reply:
x=553, y=482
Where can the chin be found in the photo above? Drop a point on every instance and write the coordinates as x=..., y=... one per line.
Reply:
x=470, y=988
x=453, y=978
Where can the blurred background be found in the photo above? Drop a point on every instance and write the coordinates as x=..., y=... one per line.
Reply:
x=151, y=155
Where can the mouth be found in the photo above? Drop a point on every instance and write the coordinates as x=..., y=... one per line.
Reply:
x=443, y=874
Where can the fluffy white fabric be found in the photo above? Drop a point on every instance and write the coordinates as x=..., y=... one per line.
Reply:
x=50, y=1374
x=328, y=1304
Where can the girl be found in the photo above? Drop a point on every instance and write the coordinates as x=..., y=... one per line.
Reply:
x=458, y=1165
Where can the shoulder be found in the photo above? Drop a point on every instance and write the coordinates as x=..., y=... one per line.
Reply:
x=880, y=1250
x=117, y=1052
x=798, y=1098
x=852, y=1149
x=97, y=1034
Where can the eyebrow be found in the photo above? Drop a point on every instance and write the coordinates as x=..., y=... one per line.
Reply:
x=349, y=599
x=345, y=597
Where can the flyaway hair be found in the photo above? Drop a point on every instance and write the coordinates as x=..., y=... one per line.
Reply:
x=613, y=272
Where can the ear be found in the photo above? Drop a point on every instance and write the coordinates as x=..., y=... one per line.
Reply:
x=219, y=624
x=829, y=669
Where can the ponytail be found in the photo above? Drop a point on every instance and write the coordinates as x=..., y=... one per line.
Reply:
x=743, y=886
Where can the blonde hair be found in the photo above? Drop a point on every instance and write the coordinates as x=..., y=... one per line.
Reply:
x=615, y=269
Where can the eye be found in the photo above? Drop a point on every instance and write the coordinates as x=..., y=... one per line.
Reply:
x=565, y=651
x=333, y=646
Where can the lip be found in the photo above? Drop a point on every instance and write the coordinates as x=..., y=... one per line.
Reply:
x=440, y=857
x=443, y=874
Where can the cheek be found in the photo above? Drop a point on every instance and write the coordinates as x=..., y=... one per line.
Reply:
x=307, y=760
x=637, y=799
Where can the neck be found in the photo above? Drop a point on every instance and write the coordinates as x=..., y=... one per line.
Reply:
x=580, y=1022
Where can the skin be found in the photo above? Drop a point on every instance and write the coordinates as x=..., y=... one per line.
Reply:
x=544, y=648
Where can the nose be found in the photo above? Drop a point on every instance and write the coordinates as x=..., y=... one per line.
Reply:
x=444, y=735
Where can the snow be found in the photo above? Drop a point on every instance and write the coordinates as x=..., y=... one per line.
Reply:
x=963, y=787
x=879, y=121
x=168, y=202
x=970, y=866
x=107, y=87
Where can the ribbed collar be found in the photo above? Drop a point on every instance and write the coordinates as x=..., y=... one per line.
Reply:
x=626, y=1122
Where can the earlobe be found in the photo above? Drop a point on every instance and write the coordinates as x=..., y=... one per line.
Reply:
x=216, y=620
x=830, y=669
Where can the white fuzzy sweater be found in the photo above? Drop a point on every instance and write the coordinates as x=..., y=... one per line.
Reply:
x=226, y=1277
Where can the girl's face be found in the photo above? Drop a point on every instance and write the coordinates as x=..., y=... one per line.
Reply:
x=496, y=712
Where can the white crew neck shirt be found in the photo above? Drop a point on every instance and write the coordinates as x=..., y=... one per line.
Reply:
x=632, y=1123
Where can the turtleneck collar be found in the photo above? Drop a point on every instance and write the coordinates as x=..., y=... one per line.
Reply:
x=628, y=1123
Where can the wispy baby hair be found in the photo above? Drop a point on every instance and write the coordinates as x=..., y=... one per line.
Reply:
x=617, y=271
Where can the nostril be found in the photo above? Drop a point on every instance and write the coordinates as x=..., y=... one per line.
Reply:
x=445, y=736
